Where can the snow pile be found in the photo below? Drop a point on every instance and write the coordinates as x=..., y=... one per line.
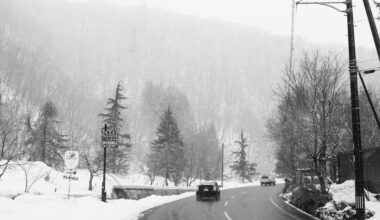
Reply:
x=47, y=197
x=52, y=207
x=43, y=179
x=344, y=192
x=341, y=207
x=36, y=177
x=48, y=189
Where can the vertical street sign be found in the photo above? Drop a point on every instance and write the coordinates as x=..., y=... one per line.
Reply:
x=71, y=163
x=109, y=138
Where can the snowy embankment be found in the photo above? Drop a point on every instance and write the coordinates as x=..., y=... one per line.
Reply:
x=345, y=194
x=342, y=203
x=47, y=197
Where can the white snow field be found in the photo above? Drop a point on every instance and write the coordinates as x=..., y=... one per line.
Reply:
x=47, y=198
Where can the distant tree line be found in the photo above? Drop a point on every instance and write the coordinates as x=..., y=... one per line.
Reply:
x=180, y=152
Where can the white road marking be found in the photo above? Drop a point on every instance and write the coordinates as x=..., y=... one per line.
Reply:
x=243, y=193
x=232, y=197
x=287, y=213
x=227, y=216
x=226, y=203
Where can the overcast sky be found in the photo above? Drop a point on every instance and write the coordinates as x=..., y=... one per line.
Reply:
x=313, y=22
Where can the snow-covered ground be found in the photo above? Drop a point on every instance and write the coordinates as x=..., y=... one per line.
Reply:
x=47, y=198
x=345, y=192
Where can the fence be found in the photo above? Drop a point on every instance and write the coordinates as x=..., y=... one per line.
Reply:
x=371, y=168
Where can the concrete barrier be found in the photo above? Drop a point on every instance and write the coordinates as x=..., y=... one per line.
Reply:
x=139, y=192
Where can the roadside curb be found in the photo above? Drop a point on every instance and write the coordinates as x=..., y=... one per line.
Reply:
x=298, y=209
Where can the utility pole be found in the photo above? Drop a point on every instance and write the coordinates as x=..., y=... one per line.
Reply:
x=372, y=25
x=104, y=195
x=222, y=165
x=359, y=180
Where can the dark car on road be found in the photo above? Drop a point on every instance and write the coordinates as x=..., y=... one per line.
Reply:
x=208, y=190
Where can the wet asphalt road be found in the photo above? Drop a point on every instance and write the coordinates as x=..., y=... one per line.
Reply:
x=247, y=203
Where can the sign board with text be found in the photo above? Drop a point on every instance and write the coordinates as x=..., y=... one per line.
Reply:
x=109, y=138
x=69, y=177
x=71, y=159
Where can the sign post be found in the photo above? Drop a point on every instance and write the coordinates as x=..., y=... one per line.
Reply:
x=109, y=139
x=71, y=163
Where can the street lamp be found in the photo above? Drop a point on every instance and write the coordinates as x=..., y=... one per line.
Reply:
x=369, y=71
x=221, y=183
x=356, y=134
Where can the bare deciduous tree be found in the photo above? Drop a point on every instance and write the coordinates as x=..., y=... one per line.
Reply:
x=10, y=131
x=309, y=122
x=31, y=177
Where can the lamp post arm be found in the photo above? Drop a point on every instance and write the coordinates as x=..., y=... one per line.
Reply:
x=328, y=4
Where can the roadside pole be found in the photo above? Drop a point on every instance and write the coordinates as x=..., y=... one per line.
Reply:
x=68, y=192
x=355, y=112
x=71, y=163
x=222, y=165
x=359, y=182
x=104, y=196
x=109, y=139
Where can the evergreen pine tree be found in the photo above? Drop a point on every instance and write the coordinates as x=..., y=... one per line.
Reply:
x=117, y=158
x=214, y=158
x=241, y=165
x=167, y=151
x=48, y=144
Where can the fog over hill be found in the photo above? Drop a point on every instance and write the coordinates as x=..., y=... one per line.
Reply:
x=75, y=53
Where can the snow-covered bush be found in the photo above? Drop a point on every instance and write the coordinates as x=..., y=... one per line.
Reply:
x=309, y=198
x=339, y=211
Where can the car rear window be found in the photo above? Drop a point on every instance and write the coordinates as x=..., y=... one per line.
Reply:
x=207, y=187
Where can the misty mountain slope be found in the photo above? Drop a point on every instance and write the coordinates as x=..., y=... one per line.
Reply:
x=76, y=52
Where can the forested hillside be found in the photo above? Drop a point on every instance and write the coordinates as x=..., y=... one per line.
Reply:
x=75, y=53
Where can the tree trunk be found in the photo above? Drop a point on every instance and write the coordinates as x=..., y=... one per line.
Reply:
x=316, y=169
x=166, y=178
x=318, y=172
x=152, y=177
x=175, y=180
x=26, y=183
x=322, y=182
x=43, y=147
x=90, y=181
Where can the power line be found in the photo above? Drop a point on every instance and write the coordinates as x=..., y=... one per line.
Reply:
x=294, y=7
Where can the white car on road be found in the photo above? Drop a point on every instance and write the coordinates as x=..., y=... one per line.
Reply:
x=267, y=180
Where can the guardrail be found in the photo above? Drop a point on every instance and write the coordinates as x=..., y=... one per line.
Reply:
x=139, y=192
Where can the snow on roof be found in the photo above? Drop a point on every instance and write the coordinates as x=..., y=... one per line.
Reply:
x=208, y=183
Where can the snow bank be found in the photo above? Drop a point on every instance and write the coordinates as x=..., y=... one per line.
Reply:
x=50, y=181
x=47, y=198
x=345, y=193
x=52, y=207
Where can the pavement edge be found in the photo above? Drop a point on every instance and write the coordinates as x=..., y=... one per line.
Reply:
x=298, y=209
